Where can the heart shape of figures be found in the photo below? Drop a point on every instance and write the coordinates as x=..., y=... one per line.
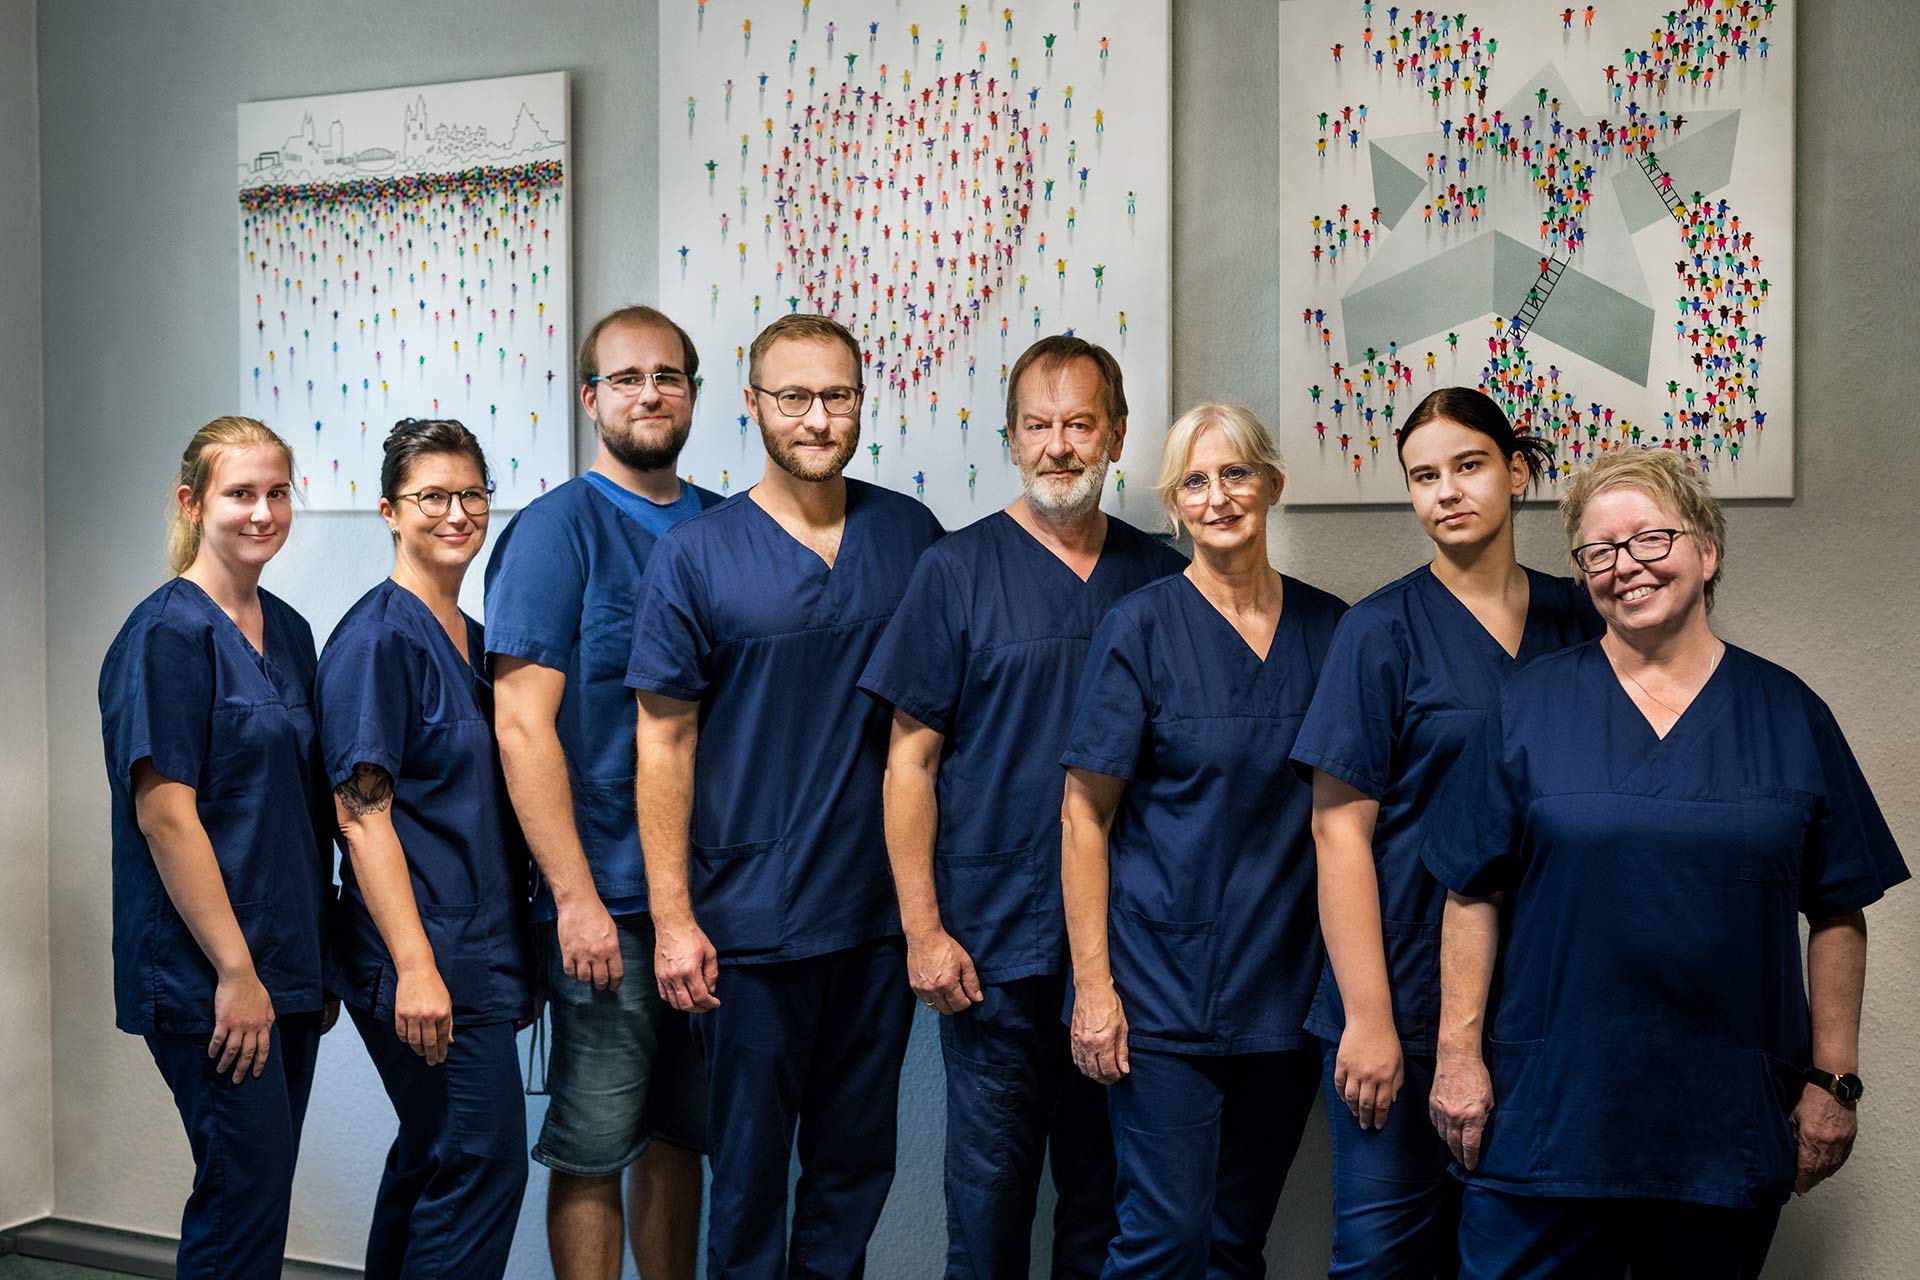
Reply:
x=861, y=169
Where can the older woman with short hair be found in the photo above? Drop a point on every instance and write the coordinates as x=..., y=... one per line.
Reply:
x=1628, y=840
x=1188, y=872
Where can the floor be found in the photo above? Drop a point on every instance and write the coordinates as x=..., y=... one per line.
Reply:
x=14, y=1267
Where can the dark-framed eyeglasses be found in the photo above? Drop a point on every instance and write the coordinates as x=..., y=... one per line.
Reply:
x=1646, y=546
x=796, y=402
x=629, y=382
x=434, y=503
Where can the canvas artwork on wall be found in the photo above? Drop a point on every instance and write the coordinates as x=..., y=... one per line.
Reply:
x=950, y=181
x=1586, y=210
x=403, y=253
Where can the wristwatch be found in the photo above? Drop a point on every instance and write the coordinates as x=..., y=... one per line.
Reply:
x=1846, y=1089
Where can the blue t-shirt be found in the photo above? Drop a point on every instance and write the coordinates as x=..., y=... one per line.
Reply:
x=1647, y=1025
x=561, y=591
x=1213, y=925
x=987, y=648
x=655, y=517
x=1410, y=673
x=181, y=686
x=788, y=857
x=394, y=692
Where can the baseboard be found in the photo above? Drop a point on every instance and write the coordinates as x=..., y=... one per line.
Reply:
x=132, y=1252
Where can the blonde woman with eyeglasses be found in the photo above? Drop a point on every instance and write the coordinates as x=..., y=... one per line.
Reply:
x=1187, y=868
x=1634, y=1071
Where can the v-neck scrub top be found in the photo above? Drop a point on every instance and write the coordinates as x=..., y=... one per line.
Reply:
x=395, y=693
x=1410, y=674
x=1212, y=922
x=787, y=854
x=561, y=590
x=181, y=686
x=1648, y=1027
x=987, y=649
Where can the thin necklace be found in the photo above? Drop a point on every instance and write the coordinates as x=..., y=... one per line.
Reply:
x=1676, y=711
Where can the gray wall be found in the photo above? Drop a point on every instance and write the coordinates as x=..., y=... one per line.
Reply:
x=137, y=127
x=26, y=1059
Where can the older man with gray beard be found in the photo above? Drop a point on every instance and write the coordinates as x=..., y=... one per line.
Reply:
x=980, y=665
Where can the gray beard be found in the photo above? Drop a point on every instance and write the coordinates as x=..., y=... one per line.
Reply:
x=1078, y=501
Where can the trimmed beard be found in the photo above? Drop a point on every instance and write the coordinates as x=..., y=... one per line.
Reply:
x=1078, y=501
x=641, y=456
x=785, y=456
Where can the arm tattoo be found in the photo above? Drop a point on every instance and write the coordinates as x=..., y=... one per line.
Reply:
x=369, y=790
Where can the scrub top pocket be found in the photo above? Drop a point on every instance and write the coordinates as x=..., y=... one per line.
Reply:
x=740, y=888
x=986, y=902
x=603, y=812
x=1164, y=970
x=461, y=951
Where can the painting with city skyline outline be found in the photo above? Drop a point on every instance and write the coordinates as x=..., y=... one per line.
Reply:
x=1585, y=210
x=404, y=253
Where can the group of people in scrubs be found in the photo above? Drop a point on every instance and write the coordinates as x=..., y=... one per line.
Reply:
x=1508, y=865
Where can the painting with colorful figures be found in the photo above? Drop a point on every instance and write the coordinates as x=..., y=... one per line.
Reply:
x=950, y=181
x=1586, y=211
x=403, y=254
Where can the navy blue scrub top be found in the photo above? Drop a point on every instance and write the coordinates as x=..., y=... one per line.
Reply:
x=987, y=648
x=561, y=590
x=1410, y=674
x=1212, y=921
x=394, y=693
x=787, y=854
x=181, y=686
x=1648, y=1025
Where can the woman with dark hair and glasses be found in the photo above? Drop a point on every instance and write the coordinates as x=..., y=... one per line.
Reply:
x=430, y=936
x=1629, y=840
x=1411, y=668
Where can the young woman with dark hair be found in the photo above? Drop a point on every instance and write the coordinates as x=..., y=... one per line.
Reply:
x=1409, y=670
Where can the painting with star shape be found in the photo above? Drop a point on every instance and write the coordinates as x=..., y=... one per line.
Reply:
x=1585, y=211
x=951, y=182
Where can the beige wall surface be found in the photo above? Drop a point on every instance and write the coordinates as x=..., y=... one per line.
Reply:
x=26, y=1058
x=136, y=131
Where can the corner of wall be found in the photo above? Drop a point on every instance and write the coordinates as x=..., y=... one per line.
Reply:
x=26, y=1055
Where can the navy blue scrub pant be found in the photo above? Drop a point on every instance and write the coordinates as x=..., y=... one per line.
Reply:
x=1014, y=1101
x=816, y=1045
x=450, y=1194
x=1396, y=1209
x=245, y=1139
x=1509, y=1237
x=1203, y=1145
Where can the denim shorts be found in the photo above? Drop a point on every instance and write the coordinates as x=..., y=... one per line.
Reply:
x=623, y=1070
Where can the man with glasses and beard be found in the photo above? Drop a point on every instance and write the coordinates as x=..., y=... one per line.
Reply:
x=760, y=815
x=560, y=596
x=980, y=665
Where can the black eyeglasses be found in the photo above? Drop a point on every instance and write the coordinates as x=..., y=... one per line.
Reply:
x=1646, y=546
x=434, y=503
x=795, y=402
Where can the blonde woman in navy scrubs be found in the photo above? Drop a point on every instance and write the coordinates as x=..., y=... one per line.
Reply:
x=430, y=945
x=1634, y=1071
x=220, y=827
x=1186, y=865
x=1412, y=667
